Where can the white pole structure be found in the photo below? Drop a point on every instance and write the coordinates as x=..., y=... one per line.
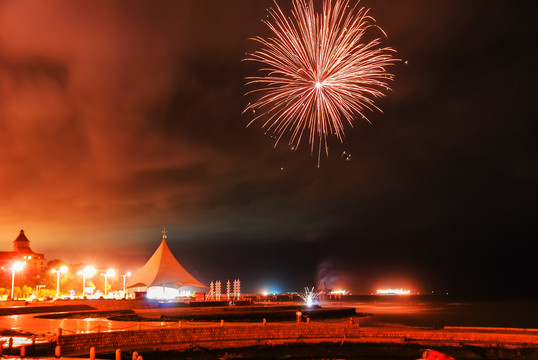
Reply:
x=83, y=282
x=17, y=266
x=62, y=270
x=124, y=276
x=88, y=271
x=217, y=290
x=38, y=289
x=109, y=272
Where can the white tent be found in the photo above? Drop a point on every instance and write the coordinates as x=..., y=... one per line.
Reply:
x=163, y=270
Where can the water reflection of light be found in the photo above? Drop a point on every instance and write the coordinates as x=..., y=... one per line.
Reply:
x=42, y=326
x=14, y=322
x=21, y=340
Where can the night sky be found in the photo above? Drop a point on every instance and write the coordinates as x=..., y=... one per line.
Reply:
x=117, y=118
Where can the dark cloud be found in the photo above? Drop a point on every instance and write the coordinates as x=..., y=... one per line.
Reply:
x=119, y=117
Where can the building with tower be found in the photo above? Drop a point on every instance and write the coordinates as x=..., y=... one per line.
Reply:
x=33, y=262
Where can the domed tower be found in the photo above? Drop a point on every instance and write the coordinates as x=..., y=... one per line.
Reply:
x=21, y=244
x=33, y=262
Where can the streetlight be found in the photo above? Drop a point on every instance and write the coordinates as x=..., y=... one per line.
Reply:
x=88, y=271
x=62, y=270
x=17, y=266
x=109, y=272
x=124, y=276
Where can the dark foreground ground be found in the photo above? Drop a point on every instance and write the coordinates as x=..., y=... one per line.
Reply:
x=327, y=351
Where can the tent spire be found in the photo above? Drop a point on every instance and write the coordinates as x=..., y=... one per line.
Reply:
x=164, y=232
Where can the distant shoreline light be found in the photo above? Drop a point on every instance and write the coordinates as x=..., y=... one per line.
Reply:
x=392, y=292
x=339, y=292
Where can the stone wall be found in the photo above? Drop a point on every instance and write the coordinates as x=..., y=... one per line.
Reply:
x=196, y=335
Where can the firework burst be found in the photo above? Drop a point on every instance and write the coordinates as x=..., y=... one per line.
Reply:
x=319, y=71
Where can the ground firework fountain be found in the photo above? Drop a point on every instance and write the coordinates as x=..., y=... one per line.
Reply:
x=309, y=296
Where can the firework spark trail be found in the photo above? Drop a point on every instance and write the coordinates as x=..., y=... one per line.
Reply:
x=319, y=72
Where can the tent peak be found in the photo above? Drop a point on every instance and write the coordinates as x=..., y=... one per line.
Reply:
x=163, y=269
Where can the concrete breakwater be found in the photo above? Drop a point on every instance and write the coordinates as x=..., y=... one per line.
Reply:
x=247, y=314
x=223, y=335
